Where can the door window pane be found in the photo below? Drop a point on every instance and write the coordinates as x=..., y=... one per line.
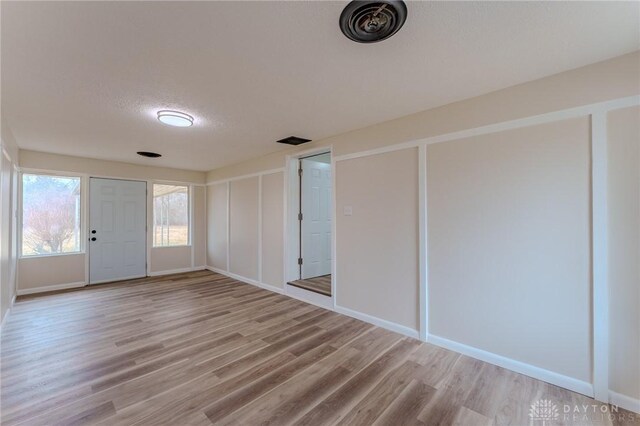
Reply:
x=50, y=214
x=170, y=215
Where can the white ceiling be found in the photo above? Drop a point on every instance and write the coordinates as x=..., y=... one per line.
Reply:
x=86, y=78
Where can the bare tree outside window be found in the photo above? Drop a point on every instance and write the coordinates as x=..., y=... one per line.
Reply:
x=170, y=215
x=51, y=214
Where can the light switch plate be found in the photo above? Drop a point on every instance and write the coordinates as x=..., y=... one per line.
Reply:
x=348, y=210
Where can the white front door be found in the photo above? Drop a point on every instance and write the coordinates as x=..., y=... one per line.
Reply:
x=117, y=230
x=316, y=218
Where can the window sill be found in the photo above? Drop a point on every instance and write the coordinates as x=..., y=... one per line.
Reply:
x=38, y=256
x=165, y=247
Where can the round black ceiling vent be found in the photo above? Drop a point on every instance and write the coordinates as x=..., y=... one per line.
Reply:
x=149, y=154
x=372, y=21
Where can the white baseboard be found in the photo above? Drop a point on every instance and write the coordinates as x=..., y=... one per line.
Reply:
x=245, y=279
x=517, y=366
x=23, y=292
x=45, y=289
x=271, y=288
x=624, y=401
x=177, y=271
x=389, y=325
x=323, y=302
x=309, y=297
x=216, y=270
x=6, y=314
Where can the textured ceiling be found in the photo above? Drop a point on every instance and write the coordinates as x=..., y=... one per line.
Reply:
x=85, y=78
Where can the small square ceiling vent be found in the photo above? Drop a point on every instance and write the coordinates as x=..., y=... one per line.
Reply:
x=294, y=140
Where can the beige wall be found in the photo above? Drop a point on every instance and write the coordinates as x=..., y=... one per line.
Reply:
x=509, y=244
x=272, y=229
x=170, y=258
x=8, y=196
x=7, y=236
x=108, y=169
x=243, y=227
x=49, y=271
x=598, y=82
x=509, y=223
x=624, y=250
x=199, y=239
x=8, y=141
x=6, y=291
x=245, y=221
x=217, y=221
x=377, y=247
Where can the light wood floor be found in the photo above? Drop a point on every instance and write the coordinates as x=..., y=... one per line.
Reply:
x=321, y=284
x=200, y=348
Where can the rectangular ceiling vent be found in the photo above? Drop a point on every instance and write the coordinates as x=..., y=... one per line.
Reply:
x=294, y=140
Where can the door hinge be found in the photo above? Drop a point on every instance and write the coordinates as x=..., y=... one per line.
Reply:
x=300, y=171
x=299, y=216
x=299, y=261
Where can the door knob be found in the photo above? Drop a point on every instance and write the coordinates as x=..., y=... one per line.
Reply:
x=93, y=238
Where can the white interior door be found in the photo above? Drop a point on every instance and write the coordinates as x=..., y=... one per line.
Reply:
x=117, y=230
x=316, y=218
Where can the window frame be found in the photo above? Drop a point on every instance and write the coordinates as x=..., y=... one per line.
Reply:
x=82, y=249
x=152, y=231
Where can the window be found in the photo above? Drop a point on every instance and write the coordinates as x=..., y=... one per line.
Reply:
x=50, y=214
x=170, y=215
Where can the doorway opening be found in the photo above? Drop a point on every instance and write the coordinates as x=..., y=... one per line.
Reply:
x=313, y=214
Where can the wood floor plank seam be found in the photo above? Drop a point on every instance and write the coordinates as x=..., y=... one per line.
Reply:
x=294, y=410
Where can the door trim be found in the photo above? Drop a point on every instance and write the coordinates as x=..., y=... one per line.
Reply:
x=301, y=257
x=292, y=229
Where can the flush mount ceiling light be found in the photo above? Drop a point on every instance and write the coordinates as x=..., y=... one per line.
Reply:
x=175, y=118
x=370, y=21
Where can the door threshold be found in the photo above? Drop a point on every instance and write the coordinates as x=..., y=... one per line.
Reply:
x=320, y=285
x=134, y=277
